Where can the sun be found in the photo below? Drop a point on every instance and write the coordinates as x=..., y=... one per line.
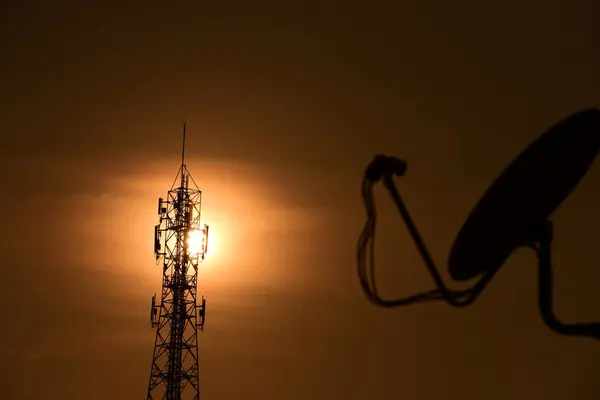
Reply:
x=197, y=241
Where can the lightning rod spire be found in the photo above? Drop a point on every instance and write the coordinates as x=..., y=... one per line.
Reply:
x=183, y=149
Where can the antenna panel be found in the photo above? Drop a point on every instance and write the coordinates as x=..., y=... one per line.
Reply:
x=205, y=240
x=156, y=240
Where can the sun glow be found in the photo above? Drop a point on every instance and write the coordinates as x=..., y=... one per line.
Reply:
x=197, y=241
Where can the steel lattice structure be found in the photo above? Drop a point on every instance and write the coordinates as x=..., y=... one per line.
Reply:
x=180, y=242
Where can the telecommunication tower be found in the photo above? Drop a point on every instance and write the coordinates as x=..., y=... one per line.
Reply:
x=180, y=243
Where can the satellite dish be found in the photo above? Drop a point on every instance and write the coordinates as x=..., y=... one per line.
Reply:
x=529, y=190
x=513, y=212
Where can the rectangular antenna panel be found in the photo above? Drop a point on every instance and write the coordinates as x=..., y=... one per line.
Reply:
x=156, y=240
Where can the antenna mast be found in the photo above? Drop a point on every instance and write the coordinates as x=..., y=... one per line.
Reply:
x=180, y=242
x=183, y=169
x=183, y=149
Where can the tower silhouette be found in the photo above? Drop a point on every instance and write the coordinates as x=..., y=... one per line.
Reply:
x=180, y=242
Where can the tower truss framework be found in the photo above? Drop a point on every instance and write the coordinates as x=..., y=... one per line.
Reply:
x=180, y=244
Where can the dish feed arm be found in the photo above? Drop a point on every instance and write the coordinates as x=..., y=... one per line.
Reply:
x=385, y=168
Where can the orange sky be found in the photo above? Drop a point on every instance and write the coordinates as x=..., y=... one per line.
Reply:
x=286, y=103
